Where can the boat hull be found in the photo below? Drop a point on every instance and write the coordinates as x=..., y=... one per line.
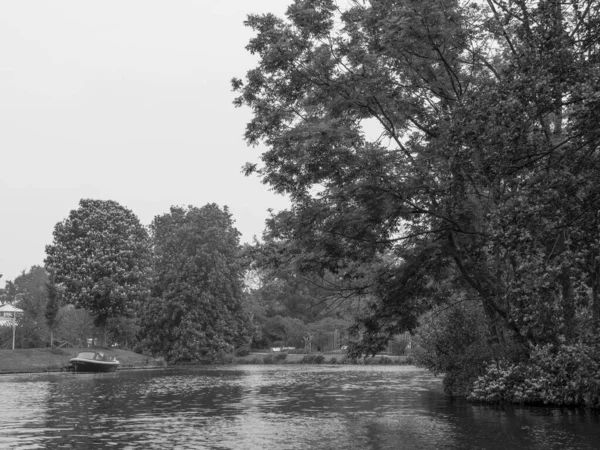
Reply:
x=80, y=365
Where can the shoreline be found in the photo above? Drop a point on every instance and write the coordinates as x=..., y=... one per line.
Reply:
x=54, y=360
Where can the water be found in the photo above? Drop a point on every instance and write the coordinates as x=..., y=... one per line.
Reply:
x=271, y=407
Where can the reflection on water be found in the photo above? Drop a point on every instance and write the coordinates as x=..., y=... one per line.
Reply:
x=271, y=407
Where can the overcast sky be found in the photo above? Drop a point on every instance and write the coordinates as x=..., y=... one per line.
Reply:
x=122, y=100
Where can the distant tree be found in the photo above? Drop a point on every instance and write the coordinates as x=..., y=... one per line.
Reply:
x=197, y=308
x=283, y=331
x=52, y=307
x=7, y=295
x=123, y=331
x=74, y=326
x=101, y=255
x=282, y=294
x=28, y=292
x=289, y=294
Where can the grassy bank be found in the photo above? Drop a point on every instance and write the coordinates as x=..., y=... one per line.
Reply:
x=55, y=359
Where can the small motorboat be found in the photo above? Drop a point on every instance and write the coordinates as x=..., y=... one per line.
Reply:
x=92, y=361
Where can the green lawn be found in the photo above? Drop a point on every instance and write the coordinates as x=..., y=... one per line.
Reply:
x=53, y=360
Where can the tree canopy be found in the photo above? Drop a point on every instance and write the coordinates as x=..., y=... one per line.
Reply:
x=197, y=310
x=481, y=176
x=28, y=293
x=101, y=255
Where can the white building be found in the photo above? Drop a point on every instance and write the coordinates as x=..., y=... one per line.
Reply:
x=8, y=315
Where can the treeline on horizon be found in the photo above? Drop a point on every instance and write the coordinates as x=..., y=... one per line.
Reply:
x=183, y=288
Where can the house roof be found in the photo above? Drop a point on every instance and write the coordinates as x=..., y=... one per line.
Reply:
x=10, y=308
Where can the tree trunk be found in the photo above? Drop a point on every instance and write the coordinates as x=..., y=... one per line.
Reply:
x=596, y=294
x=568, y=306
x=100, y=322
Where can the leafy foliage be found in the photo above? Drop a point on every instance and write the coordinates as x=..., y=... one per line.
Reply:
x=74, y=327
x=196, y=311
x=564, y=375
x=52, y=307
x=482, y=177
x=101, y=255
x=123, y=331
x=28, y=292
x=39, y=298
x=293, y=308
x=452, y=340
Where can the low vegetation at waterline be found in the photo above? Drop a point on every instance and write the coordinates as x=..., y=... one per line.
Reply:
x=33, y=360
x=315, y=358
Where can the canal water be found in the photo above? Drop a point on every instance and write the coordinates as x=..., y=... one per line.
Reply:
x=271, y=407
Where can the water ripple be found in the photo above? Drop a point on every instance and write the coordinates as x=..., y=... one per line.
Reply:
x=270, y=407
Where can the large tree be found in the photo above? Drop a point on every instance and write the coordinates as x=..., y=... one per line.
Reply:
x=197, y=310
x=101, y=255
x=480, y=180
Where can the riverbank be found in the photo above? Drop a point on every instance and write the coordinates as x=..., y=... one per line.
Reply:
x=316, y=358
x=36, y=360
x=39, y=360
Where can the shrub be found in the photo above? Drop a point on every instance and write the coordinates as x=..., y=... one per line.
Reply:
x=568, y=376
x=346, y=360
x=277, y=357
x=242, y=351
x=268, y=359
x=227, y=358
x=312, y=359
x=452, y=341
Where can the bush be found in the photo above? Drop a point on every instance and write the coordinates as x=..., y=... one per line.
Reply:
x=242, y=351
x=312, y=359
x=268, y=359
x=452, y=341
x=567, y=376
x=345, y=360
x=227, y=359
x=277, y=357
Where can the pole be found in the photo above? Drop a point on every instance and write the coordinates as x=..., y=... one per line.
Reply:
x=14, y=327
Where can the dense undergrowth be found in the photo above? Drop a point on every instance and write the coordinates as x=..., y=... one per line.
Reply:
x=456, y=342
x=567, y=375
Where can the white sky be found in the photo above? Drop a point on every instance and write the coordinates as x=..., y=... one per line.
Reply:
x=123, y=100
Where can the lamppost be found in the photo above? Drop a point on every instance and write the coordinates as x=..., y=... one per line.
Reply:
x=14, y=310
x=14, y=327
